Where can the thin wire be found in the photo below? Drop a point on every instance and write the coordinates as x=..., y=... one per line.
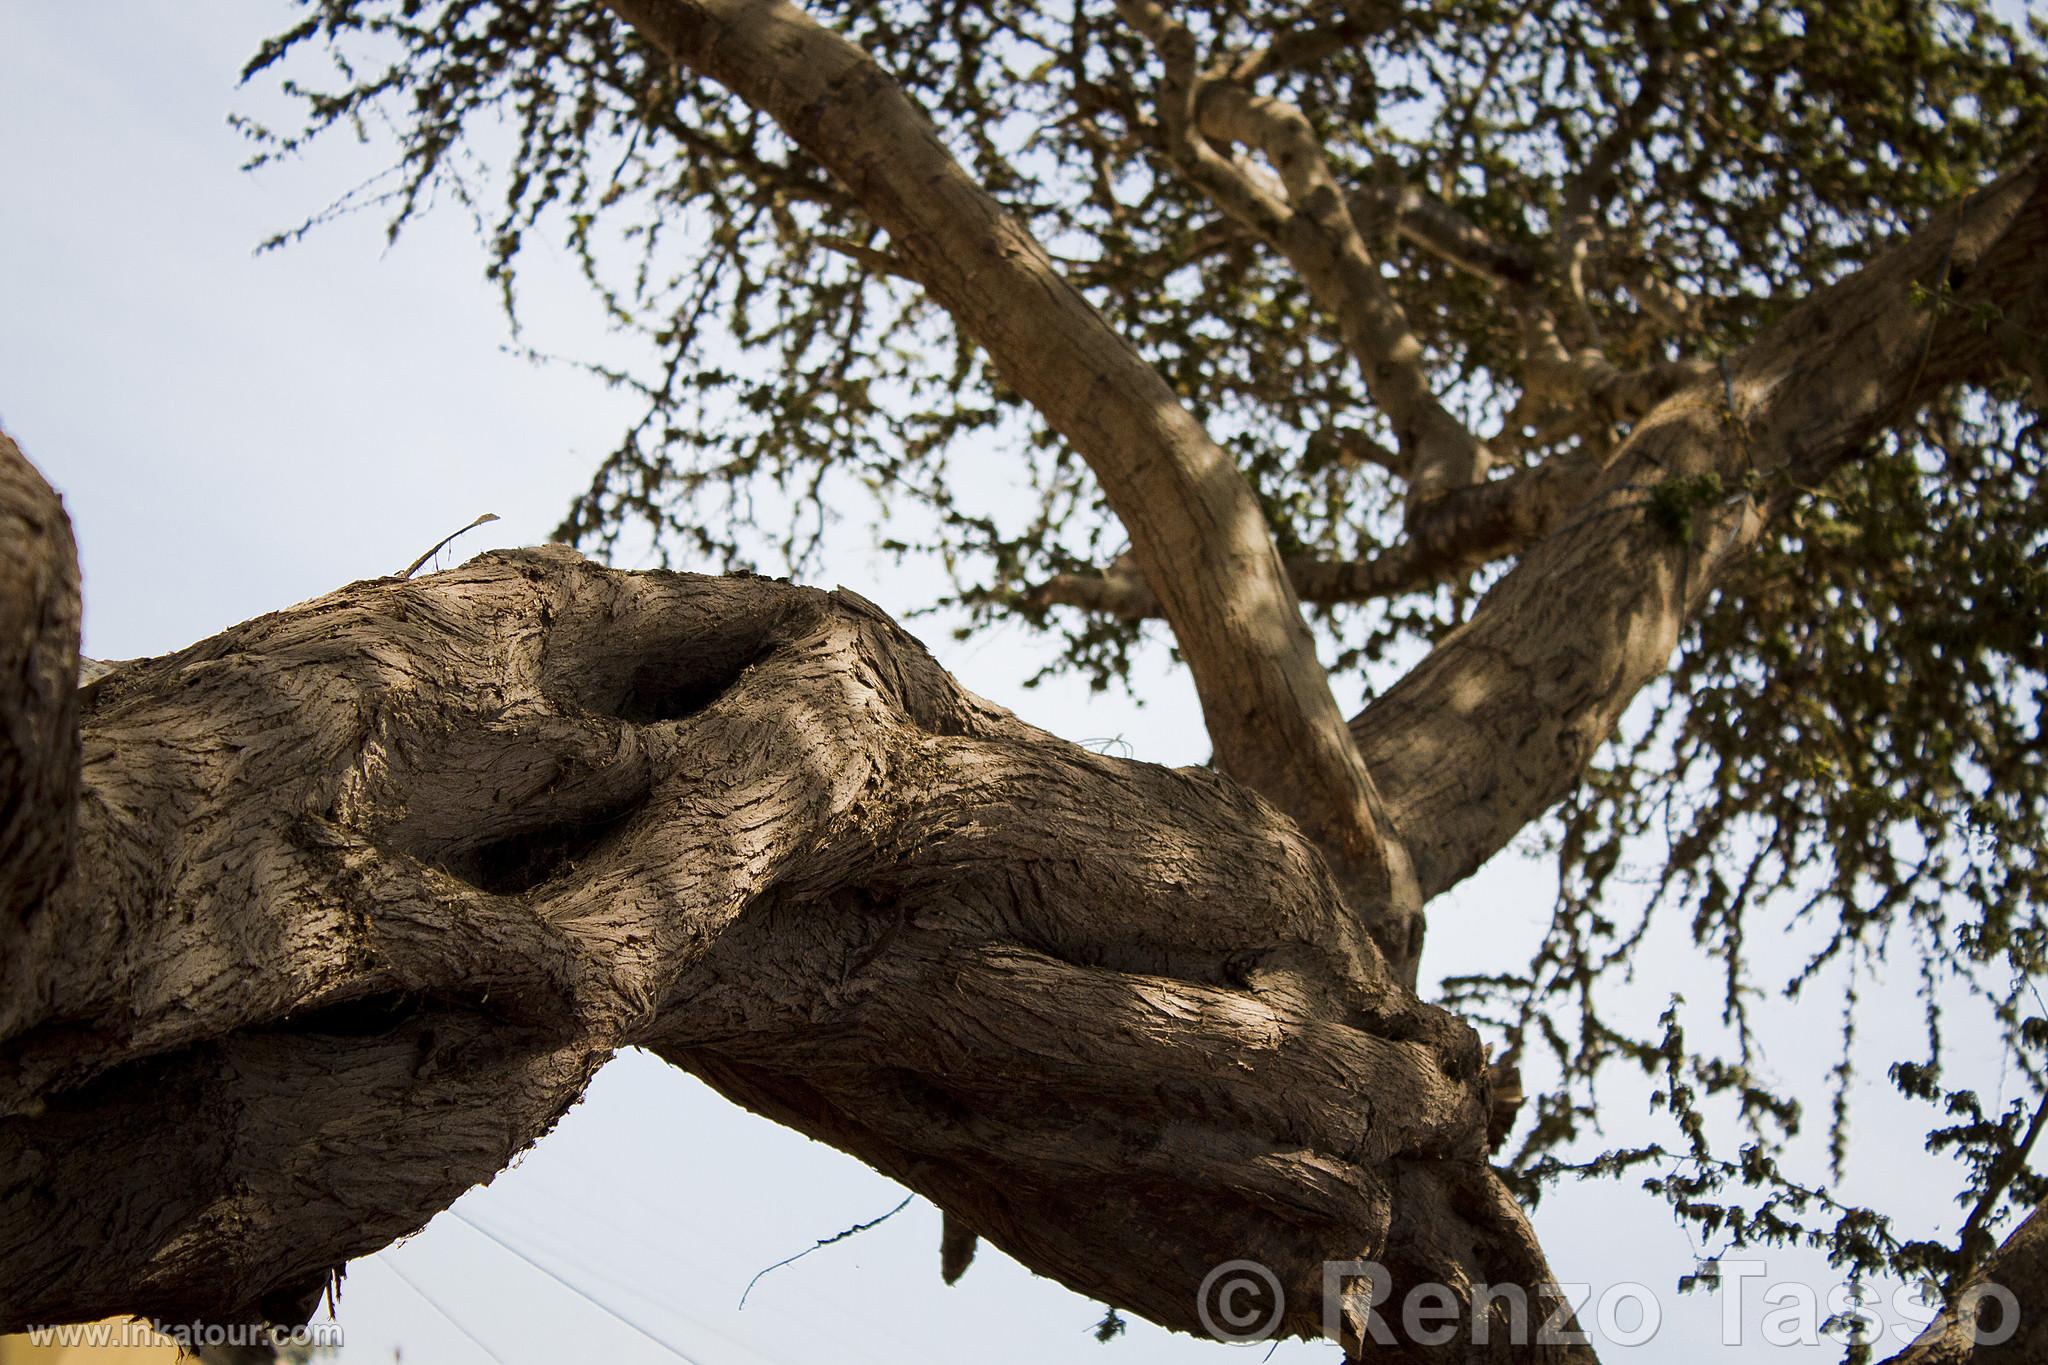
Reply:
x=577, y=1289
x=453, y=1321
x=591, y=1207
x=598, y=1273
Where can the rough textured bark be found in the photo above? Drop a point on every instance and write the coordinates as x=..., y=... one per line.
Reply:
x=324, y=919
x=1195, y=528
x=365, y=890
x=38, y=714
x=1494, y=726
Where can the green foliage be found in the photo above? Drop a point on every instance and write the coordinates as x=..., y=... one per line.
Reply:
x=1850, y=745
x=1673, y=500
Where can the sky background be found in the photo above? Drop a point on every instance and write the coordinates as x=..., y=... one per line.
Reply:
x=234, y=433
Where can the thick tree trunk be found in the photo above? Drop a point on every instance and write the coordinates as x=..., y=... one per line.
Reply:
x=364, y=891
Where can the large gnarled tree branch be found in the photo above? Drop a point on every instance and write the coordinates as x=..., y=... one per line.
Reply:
x=364, y=891
x=1195, y=527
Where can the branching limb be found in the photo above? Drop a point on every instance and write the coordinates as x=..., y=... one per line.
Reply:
x=1587, y=191
x=1307, y=220
x=1428, y=222
x=365, y=891
x=1195, y=527
x=1586, y=385
x=1319, y=237
x=874, y=261
x=1576, y=386
x=1502, y=717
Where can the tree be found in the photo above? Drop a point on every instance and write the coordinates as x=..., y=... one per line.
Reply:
x=1722, y=331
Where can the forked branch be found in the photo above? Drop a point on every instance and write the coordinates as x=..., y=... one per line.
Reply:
x=1196, y=530
x=1494, y=726
x=1306, y=218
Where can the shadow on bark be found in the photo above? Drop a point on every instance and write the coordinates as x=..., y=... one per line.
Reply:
x=363, y=892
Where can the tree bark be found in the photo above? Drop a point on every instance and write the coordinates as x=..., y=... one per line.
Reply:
x=1196, y=529
x=1975, y=1329
x=364, y=891
x=1493, y=727
x=312, y=926
x=38, y=715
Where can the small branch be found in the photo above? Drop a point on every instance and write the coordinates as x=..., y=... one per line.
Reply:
x=442, y=543
x=1427, y=222
x=1348, y=447
x=1671, y=307
x=878, y=262
x=2007, y=1169
x=1587, y=382
x=1589, y=189
x=1578, y=386
x=1454, y=535
x=1345, y=25
x=1308, y=221
x=824, y=1242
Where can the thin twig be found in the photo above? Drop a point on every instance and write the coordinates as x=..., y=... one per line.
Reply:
x=824, y=1242
x=441, y=544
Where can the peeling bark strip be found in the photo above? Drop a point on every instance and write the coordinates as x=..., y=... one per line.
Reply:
x=1196, y=530
x=366, y=890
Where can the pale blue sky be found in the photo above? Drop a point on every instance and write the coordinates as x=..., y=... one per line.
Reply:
x=234, y=434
